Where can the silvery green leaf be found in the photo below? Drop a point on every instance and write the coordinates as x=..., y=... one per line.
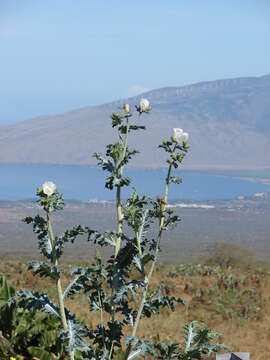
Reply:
x=44, y=269
x=128, y=156
x=110, y=238
x=131, y=286
x=117, y=119
x=135, y=354
x=144, y=226
x=157, y=300
x=137, y=262
x=166, y=145
x=68, y=236
x=189, y=332
x=75, y=286
x=131, y=340
x=46, y=246
x=106, y=164
x=137, y=127
x=107, y=238
x=40, y=228
x=29, y=300
x=175, y=180
x=94, y=305
x=74, y=337
x=200, y=340
x=141, y=347
x=50, y=203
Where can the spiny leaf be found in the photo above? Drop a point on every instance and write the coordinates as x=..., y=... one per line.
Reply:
x=74, y=337
x=29, y=300
x=175, y=180
x=105, y=164
x=131, y=286
x=141, y=347
x=157, y=300
x=50, y=203
x=189, y=334
x=68, y=236
x=108, y=238
x=44, y=269
x=144, y=225
x=117, y=119
x=75, y=286
x=40, y=228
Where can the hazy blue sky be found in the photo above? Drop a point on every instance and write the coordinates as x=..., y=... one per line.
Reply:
x=57, y=55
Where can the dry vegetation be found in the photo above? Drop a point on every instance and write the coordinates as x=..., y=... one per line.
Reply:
x=228, y=291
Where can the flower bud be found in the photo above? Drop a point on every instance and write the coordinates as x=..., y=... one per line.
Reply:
x=161, y=201
x=126, y=108
x=144, y=106
x=49, y=188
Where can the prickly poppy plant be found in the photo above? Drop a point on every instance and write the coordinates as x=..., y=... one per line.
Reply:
x=112, y=286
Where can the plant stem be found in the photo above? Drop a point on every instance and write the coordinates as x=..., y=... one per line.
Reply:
x=58, y=282
x=111, y=351
x=148, y=277
x=119, y=221
x=138, y=243
x=118, y=197
x=101, y=319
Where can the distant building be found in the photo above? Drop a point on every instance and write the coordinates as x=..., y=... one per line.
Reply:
x=259, y=195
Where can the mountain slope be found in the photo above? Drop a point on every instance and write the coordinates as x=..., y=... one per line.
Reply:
x=228, y=121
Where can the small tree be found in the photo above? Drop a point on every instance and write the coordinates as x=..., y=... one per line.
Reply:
x=119, y=297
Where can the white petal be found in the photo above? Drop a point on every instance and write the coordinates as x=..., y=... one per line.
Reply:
x=185, y=136
x=49, y=188
x=145, y=105
x=177, y=132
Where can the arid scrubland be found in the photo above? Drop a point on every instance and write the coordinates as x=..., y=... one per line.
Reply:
x=232, y=297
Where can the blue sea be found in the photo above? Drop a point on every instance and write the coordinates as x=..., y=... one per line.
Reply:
x=19, y=182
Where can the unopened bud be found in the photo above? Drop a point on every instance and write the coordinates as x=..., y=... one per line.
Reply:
x=126, y=108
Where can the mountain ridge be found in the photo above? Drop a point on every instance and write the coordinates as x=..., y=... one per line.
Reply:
x=228, y=122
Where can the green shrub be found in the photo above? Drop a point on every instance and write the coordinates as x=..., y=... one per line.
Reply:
x=26, y=332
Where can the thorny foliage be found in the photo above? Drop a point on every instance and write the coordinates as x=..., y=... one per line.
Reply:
x=110, y=289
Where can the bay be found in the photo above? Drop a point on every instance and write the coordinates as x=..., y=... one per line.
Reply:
x=19, y=182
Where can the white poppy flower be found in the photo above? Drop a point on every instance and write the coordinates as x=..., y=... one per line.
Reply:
x=185, y=136
x=144, y=105
x=179, y=136
x=48, y=188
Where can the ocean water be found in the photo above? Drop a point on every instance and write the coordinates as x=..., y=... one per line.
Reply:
x=19, y=182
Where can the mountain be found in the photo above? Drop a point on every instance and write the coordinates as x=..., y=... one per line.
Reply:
x=228, y=121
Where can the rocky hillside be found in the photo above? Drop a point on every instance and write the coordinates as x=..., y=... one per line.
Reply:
x=228, y=121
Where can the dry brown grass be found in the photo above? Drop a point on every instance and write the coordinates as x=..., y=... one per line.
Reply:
x=240, y=333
